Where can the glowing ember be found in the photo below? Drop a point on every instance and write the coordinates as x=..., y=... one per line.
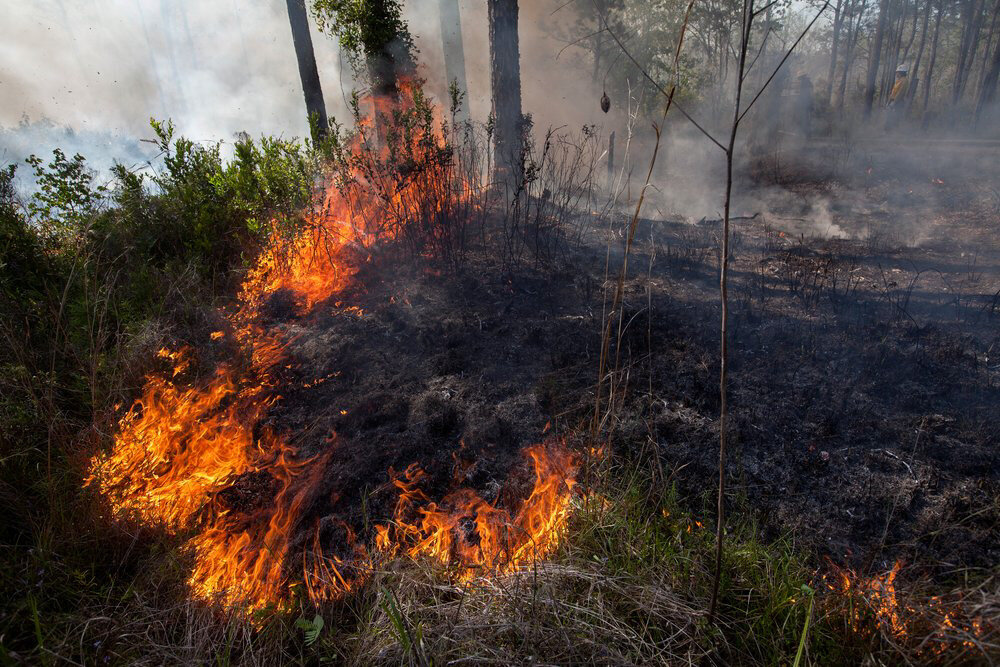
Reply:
x=879, y=595
x=936, y=625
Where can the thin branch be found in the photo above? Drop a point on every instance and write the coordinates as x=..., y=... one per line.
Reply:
x=577, y=41
x=566, y=4
x=787, y=55
x=657, y=85
x=765, y=8
x=763, y=44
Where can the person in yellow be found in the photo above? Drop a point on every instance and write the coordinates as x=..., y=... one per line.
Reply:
x=897, y=96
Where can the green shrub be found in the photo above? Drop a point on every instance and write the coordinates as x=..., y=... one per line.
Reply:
x=84, y=268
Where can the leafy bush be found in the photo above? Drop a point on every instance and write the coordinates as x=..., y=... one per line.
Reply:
x=204, y=210
x=85, y=268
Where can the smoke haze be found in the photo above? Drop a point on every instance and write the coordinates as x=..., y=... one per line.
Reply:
x=216, y=68
x=109, y=65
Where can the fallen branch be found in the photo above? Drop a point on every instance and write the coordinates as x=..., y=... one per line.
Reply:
x=705, y=222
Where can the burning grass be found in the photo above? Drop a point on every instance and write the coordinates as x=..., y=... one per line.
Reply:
x=466, y=531
x=187, y=441
x=954, y=627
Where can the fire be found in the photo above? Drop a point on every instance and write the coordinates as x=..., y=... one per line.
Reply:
x=189, y=447
x=878, y=593
x=475, y=536
x=176, y=446
x=935, y=625
x=246, y=566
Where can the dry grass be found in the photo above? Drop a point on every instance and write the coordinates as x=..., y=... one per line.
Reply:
x=553, y=614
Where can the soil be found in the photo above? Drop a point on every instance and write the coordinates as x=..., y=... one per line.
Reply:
x=865, y=381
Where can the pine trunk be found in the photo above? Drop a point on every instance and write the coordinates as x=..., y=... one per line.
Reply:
x=454, y=50
x=506, y=85
x=914, y=76
x=988, y=91
x=308, y=72
x=967, y=48
x=988, y=48
x=838, y=20
x=853, y=32
x=874, y=58
x=930, y=65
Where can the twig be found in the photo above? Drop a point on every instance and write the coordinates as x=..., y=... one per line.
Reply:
x=657, y=85
x=787, y=55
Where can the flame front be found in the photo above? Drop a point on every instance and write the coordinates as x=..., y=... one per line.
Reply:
x=938, y=624
x=187, y=443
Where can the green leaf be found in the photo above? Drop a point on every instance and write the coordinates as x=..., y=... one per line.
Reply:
x=311, y=629
x=805, y=628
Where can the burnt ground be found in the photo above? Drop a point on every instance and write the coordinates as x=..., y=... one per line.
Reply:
x=454, y=372
x=864, y=382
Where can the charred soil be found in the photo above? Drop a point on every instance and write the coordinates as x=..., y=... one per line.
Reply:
x=864, y=382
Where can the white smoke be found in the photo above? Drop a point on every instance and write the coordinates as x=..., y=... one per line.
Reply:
x=107, y=66
x=93, y=72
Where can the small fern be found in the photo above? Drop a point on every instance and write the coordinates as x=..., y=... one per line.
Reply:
x=310, y=629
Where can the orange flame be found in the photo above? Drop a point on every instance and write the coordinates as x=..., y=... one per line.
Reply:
x=474, y=535
x=935, y=622
x=186, y=443
x=175, y=447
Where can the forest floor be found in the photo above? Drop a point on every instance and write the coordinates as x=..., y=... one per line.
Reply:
x=864, y=383
x=865, y=378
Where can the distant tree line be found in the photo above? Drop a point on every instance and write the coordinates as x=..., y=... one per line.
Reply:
x=950, y=49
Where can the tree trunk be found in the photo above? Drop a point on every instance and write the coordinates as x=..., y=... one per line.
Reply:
x=988, y=91
x=913, y=34
x=454, y=50
x=915, y=74
x=598, y=40
x=892, y=59
x=967, y=48
x=838, y=20
x=974, y=45
x=930, y=65
x=505, y=69
x=386, y=44
x=853, y=32
x=308, y=73
x=164, y=107
x=988, y=48
x=874, y=58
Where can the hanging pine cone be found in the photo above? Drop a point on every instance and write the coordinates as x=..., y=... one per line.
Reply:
x=605, y=102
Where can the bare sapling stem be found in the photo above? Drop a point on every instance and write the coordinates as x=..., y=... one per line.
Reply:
x=748, y=16
x=738, y=114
